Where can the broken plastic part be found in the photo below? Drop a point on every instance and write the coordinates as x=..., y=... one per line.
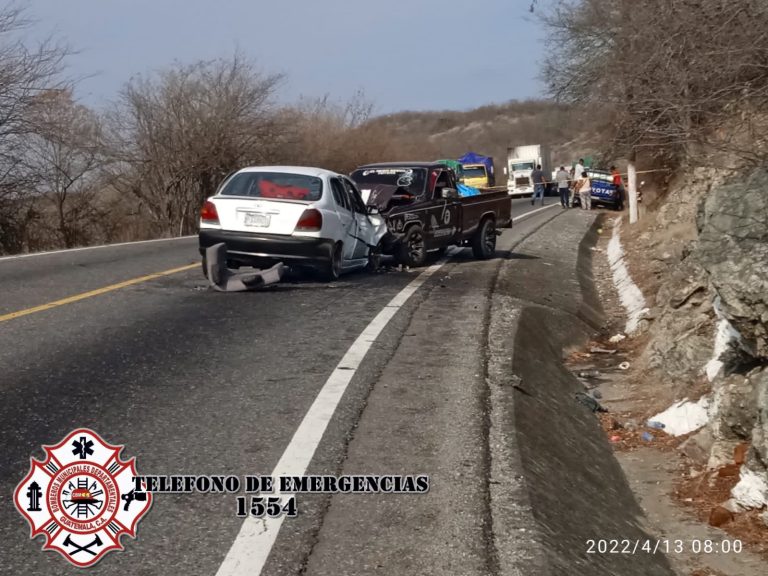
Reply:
x=223, y=279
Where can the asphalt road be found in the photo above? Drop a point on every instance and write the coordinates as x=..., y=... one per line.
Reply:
x=198, y=382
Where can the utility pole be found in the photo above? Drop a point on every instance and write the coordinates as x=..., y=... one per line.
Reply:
x=632, y=188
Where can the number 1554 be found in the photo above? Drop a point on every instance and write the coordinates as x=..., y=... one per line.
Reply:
x=271, y=506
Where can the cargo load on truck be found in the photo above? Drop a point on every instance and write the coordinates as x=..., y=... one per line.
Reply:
x=477, y=170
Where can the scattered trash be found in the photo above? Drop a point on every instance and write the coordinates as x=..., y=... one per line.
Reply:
x=630, y=424
x=655, y=424
x=599, y=230
x=588, y=374
x=617, y=338
x=590, y=402
x=624, y=366
x=615, y=438
x=602, y=351
x=596, y=393
x=684, y=417
x=647, y=436
x=615, y=424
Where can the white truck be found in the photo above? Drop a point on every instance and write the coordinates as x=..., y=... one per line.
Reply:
x=521, y=161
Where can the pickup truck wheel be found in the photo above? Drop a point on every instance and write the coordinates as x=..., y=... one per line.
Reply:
x=332, y=269
x=484, y=241
x=412, y=250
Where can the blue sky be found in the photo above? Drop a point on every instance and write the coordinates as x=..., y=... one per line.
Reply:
x=404, y=54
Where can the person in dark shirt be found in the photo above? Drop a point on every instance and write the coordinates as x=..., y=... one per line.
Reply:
x=539, y=182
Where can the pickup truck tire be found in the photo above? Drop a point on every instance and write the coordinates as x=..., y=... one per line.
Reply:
x=484, y=240
x=412, y=251
x=332, y=269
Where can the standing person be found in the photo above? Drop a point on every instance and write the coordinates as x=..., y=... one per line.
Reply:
x=539, y=181
x=577, y=170
x=562, y=178
x=619, y=185
x=584, y=187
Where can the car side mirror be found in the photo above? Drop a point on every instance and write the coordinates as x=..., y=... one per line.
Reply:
x=372, y=209
x=449, y=193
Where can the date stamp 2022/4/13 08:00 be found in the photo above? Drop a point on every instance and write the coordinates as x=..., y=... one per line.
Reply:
x=663, y=546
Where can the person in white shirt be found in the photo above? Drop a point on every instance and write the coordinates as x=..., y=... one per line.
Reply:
x=577, y=171
x=584, y=188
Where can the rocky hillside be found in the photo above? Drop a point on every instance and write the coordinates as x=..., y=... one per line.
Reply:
x=703, y=257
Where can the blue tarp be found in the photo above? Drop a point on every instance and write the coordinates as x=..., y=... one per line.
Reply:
x=465, y=190
x=474, y=158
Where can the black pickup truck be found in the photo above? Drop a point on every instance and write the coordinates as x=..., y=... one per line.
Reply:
x=424, y=212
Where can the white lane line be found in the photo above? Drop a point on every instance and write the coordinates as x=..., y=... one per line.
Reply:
x=17, y=256
x=518, y=218
x=253, y=543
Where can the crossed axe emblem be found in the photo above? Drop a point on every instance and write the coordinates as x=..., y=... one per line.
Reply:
x=85, y=548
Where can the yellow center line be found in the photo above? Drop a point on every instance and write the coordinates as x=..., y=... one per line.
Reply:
x=97, y=292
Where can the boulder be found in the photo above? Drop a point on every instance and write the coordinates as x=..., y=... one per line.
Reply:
x=698, y=446
x=733, y=249
x=734, y=415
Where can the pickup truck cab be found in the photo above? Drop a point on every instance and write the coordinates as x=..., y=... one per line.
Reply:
x=424, y=212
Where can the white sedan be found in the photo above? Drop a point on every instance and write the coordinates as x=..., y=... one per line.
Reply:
x=306, y=217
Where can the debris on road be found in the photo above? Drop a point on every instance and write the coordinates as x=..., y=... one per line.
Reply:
x=647, y=436
x=684, y=417
x=617, y=338
x=590, y=402
x=588, y=374
x=655, y=424
x=624, y=366
x=223, y=279
x=602, y=351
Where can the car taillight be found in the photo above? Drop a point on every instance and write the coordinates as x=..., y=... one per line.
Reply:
x=311, y=221
x=208, y=213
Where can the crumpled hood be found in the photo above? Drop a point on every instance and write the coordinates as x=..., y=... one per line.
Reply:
x=381, y=194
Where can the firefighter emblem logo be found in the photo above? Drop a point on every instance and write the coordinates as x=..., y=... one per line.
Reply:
x=82, y=498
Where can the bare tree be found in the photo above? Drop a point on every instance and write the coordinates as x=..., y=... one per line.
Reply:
x=25, y=73
x=65, y=155
x=689, y=77
x=334, y=135
x=175, y=135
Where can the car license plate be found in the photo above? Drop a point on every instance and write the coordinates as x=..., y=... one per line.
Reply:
x=257, y=220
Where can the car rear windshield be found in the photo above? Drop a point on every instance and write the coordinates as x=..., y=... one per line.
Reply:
x=411, y=179
x=474, y=172
x=277, y=185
